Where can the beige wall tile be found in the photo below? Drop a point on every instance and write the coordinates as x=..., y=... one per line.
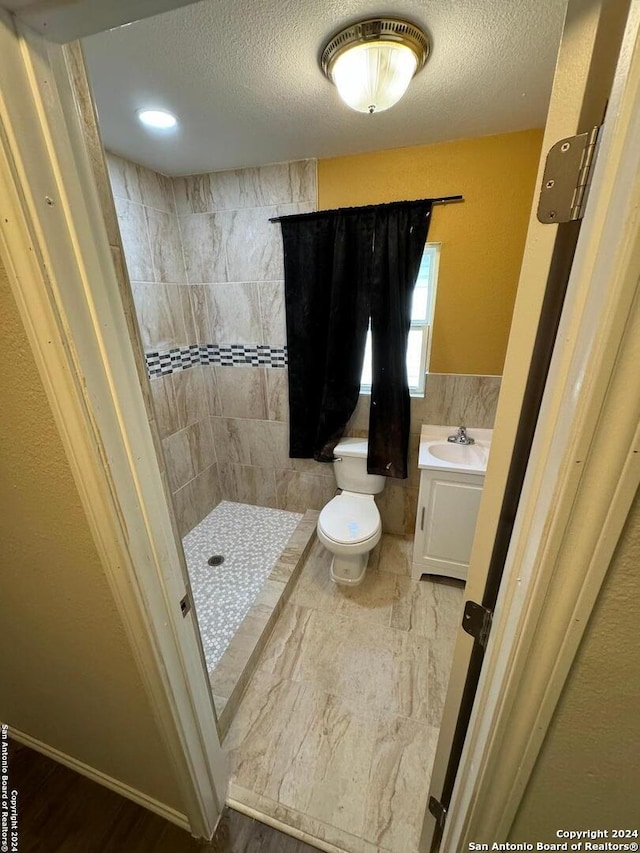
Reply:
x=198, y=295
x=124, y=177
x=456, y=399
x=253, y=254
x=164, y=404
x=234, y=314
x=204, y=240
x=281, y=183
x=135, y=240
x=156, y=190
x=190, y=399
x=304, y=180
x=188, y=453
x=201, y=447
x=277, y=386
x=310, y=466
x=180, y=468
x=186, y=511
x=211, y=391
x=262, y=444
x=189, y=323
x=193, y=194
x=196, y=499
x=166, y=246
x=272, y=311
x=298, y=491
x=129, y=307
x=254, y=245
x=160, y=315
x=206, y=490
x=242, y=392
x=246, y=484
x=137, y=183
x=398, y=505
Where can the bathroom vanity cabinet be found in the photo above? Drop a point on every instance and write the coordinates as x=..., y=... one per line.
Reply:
x=451, y=482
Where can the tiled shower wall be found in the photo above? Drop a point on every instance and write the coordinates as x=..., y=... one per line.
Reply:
x=207, y=269
x=235, y=264
x=165, y=309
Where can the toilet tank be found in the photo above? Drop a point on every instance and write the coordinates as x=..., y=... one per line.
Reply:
x=350, y=468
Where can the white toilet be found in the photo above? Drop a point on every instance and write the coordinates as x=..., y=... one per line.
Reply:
x=349, y=525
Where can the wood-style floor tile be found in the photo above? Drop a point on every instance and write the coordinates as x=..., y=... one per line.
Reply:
x=373, y=599
x=338, y=727
x=399, y=783
x=429, y=607
x=396, y=552
x=305, y=749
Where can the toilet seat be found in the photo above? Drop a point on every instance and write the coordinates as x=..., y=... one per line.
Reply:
x=350, y=519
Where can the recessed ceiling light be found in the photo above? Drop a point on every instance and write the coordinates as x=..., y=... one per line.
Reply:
x=159, y=119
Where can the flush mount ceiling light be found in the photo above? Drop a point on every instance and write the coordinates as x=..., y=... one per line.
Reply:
x=158, y=119
x=373, y=62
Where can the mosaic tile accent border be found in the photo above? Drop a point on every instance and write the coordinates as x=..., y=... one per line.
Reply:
x=227, y=355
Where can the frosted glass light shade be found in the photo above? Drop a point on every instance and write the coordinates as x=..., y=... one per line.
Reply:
x=373, y=77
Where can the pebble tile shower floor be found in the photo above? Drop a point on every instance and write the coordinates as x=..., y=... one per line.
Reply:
x=250, y=538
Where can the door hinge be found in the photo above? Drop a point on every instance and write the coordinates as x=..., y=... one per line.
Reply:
x=477, y=621
x=567, y=177
x=185, y=604
x=438, y=811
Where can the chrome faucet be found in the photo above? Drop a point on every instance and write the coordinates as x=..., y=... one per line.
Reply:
x=461, y=437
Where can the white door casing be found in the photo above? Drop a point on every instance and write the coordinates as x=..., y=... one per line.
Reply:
x=55, y=248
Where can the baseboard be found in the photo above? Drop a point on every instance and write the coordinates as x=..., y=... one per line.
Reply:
x=121, y=788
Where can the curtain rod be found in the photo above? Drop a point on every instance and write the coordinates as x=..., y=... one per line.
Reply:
x=446, y=199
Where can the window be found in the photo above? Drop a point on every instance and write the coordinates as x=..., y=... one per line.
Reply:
x=424, y=298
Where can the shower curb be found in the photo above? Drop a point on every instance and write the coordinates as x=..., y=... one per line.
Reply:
x=237, y=656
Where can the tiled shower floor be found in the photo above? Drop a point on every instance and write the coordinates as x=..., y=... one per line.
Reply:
x=250, y=538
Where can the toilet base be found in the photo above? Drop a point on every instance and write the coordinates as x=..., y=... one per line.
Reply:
x=349, y=570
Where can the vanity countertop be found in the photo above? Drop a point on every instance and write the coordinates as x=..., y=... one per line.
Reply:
x=436, y=453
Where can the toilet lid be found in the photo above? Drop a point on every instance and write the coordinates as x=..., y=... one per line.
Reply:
x=350, y=518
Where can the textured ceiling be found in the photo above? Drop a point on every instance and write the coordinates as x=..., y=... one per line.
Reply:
x=244, y=80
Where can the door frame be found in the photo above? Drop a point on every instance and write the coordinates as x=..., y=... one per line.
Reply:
x=55, y=246
x=62, y=273
x=583, y=474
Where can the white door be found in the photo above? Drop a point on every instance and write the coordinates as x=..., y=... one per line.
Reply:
x=583, y=81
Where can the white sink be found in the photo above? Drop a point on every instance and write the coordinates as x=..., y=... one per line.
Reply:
x=473, y=455
x=439, y=454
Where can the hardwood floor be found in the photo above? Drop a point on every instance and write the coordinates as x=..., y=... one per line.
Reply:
x=60, y=811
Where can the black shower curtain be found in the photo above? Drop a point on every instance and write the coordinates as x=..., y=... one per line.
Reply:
x=342, y=269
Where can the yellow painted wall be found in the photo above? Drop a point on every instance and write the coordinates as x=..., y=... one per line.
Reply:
x=69, y=678
x=587, y=775
x=482, y=238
